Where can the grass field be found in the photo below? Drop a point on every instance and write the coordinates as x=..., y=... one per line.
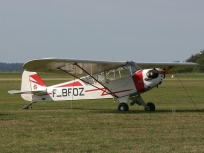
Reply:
x=96, y=125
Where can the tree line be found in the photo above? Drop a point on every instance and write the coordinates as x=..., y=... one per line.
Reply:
x=196, y=58
x=11, y=67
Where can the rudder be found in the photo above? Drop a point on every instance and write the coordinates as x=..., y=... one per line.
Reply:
x=31, y=81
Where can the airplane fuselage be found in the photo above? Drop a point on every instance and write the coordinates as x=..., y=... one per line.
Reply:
x=79, y=90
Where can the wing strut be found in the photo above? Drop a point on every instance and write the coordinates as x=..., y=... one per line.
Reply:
x=89, y=83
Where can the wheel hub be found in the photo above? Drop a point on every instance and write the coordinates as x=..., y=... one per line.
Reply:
x=122, y=108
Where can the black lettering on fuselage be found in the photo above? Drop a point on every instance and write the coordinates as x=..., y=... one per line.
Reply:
x=69, y=91
x=75, y=91
x=66, y=92
x=54, y=92
x=81, y=91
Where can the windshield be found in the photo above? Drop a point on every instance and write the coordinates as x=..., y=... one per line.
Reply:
x=133, y=67
x=125, y=71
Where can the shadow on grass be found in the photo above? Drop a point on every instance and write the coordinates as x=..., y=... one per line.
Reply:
x=115, y=111
x=188, y=110
x=137, y=111
x=4, y=114
x=5, y=117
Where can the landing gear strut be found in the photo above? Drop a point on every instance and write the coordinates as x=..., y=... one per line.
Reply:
x=29, y=105
x=123, y=106
x=138, y=100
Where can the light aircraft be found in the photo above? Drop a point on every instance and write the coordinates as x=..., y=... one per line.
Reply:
x=123, y=80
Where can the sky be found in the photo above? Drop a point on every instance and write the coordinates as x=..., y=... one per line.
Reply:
x=114, y=30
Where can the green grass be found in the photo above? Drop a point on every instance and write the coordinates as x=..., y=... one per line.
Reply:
x=97, y=126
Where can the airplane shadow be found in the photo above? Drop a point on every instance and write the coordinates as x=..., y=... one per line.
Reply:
x=5, y=117
x=5, y=114
x=115, y=111
x=139, y=111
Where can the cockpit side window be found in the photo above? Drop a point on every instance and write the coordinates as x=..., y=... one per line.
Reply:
x=118, y=73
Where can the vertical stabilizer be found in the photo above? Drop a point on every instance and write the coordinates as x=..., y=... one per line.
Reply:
x=31, y=81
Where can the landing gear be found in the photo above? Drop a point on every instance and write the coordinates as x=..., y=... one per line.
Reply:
x=150, y=107
x=29, y=105
x=138, y=100
x=123, y=107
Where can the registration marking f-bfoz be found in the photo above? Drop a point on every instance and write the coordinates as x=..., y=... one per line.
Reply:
x=66, y=92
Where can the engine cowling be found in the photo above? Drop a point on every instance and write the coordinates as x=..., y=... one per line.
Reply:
x=147, y=79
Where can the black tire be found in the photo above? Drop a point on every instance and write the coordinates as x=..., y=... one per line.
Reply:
x=123, y=107
x=151, y=107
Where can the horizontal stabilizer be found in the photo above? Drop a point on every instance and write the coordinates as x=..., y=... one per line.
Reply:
x=36, y=92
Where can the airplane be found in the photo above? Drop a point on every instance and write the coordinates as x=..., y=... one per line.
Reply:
x=121, y=80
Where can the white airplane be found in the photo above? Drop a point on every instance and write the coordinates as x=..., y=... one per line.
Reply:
x=102, y=79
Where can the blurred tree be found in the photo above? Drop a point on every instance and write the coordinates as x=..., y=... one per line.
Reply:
x=197, y=58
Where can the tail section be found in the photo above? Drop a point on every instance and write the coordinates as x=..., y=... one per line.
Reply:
x=31, y=85
x=32, y=82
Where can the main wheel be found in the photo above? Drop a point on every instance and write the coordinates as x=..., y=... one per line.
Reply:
x=123, y=107
x=151, y=107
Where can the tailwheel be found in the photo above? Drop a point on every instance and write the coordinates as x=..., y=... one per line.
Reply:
x=123, y=107
x=150, y=107
x=29, y=105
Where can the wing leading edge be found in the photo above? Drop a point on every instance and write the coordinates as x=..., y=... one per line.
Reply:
x=175, y=66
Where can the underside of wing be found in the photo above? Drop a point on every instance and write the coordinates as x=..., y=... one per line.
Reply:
x=173, y=66
x=55, y=65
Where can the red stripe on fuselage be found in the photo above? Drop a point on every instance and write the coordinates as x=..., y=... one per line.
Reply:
x=73, y=84
x=138, y=81
x=105, y=92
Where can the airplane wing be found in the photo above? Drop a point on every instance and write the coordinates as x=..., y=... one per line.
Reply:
x=56, y=65
x=174, y=66
x=53, y=64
